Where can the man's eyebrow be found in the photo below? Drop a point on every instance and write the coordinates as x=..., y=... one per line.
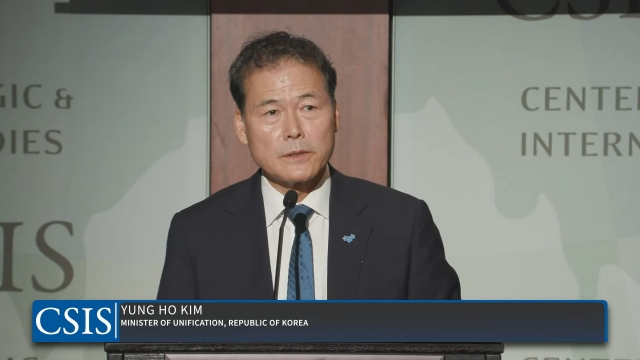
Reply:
x=266, y=102
x=312, y=94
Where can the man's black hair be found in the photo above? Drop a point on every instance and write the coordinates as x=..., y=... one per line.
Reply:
x=268, y=50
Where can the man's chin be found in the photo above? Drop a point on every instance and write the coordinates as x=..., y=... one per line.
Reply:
x=303, y=176
x=299, y=179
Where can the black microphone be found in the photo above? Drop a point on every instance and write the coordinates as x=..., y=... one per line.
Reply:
x=290, y=200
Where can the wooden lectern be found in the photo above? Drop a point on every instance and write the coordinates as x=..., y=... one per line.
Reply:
x=304, y=351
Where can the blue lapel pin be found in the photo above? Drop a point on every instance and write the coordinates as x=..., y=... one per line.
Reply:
x=349, y=238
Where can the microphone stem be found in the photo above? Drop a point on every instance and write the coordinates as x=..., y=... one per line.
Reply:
x=278, y=260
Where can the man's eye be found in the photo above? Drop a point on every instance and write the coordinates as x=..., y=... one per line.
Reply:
x=309, y=107
x=271, y=112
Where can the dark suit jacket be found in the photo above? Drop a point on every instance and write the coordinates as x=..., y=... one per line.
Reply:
x=217, y=248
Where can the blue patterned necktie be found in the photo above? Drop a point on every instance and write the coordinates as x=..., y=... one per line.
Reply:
x=300, y=285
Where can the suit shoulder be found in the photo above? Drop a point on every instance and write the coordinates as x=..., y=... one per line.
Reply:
x=381, y=194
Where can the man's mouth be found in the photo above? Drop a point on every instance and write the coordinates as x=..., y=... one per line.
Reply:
x=295, y=154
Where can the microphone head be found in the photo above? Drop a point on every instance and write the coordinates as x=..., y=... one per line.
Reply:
x=290, y=199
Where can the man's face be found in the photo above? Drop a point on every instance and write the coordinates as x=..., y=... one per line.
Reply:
x=289, y=122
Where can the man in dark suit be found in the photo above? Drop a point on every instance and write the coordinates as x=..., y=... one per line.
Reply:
x=347, y=238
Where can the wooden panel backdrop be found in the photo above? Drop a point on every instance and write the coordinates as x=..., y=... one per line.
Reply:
x=358, y=45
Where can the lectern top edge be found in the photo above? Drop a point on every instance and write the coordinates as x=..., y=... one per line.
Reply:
x=307, y=347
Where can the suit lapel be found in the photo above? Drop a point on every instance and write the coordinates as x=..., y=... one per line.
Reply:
x=249, y=237
x=345, y=223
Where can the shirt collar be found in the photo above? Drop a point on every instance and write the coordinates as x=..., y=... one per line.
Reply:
x=318, y=199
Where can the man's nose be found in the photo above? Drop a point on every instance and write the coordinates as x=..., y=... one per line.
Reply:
x=293, y=126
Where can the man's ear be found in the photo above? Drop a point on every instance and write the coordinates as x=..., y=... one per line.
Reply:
x=240, y=126
x=336, y=117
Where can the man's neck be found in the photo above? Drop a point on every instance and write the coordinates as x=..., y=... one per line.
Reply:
x=302, y=188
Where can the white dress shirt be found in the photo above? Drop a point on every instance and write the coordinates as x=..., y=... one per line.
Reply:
x=318, y=200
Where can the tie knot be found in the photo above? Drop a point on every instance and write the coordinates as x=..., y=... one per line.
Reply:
x=299, y=216
x=300, y=209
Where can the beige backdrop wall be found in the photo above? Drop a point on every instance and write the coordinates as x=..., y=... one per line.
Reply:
x=86, y=200
x=522, y=136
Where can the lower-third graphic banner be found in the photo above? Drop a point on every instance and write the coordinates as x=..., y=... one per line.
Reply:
x=319, y=321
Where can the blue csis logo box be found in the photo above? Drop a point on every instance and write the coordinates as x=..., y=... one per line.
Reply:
x=74, y=321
